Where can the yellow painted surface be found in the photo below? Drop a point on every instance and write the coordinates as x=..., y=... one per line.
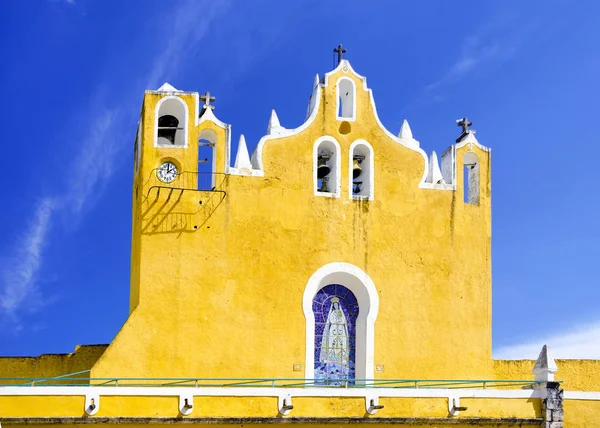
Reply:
x=49, y=365
x=209, y=300
x=217, y=278
x=582, y=414
x=41, y=406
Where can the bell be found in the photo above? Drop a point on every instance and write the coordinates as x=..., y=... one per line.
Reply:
x=322, y=168
x=167, y=127
x=356, y=187
x=356, y=169
x=324, y=187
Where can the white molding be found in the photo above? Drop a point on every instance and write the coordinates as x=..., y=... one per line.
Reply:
x=361, y=142
x=209, y=115
x=338, y=166
x=357, y=281
x=185, y=127
x=582, y=395
x=257, y=160
x=282, y=394
x=471, y=140
x=152, y=391
x=337, y=100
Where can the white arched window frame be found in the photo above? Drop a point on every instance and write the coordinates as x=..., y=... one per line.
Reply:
x=363, y=148
x=357, y=281
x=328, y=143
x=210, y=136
x=176, y=107
x=345, y=107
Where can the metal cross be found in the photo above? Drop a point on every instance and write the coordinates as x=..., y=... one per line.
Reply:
x=340, y=50
x=207, y=100
x=464, y=123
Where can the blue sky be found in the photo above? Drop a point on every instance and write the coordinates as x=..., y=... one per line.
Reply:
x=74, y=73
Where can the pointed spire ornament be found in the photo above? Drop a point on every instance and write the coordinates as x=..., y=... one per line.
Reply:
x=242, y=159
x=274, y=125
x=405, y=131
x=167, y=87
x=434, y=175
x=545, y=366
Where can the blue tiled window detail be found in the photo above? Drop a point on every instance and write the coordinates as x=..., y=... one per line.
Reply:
x=336, y=309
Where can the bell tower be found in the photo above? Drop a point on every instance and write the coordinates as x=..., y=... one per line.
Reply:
x=181, y=151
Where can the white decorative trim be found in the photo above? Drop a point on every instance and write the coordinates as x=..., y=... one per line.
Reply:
x=365, y=143
x=582, y=395
x=209, y=115
x=338, y=166
x=167, y=87
x=186, y=403
x=92, y=403
x=185, y=127
x=284, y=395
x=284, y=404
x=471, y=140
x=338, y=97
x=357, y=281
x=138, y=142
x=257, y=161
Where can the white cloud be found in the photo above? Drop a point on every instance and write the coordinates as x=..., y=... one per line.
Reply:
x=582, y=342
x=475, y=51
x=20, y=271
x=93, y=164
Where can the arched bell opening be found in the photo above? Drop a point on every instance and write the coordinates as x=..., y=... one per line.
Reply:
x=326, y=167
x=361, y=172
x=171, y=122
x=346, y=99
x=471, y=178
x=207, y=143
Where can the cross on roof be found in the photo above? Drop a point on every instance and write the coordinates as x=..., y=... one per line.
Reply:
x=464, y=123
x=340, y=50
x=207, y=100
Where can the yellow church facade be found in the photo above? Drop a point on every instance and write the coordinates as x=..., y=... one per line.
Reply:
x=339, y=275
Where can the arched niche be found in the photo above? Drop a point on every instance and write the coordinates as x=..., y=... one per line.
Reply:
x=171, y=123
x=207, y=159
x=360, y=284
x=471, y=178
x=345, y=99
x=361, y=160
x=326, y=158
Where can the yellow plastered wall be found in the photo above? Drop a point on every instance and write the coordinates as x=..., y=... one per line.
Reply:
x=50, y=365
x=218, y=278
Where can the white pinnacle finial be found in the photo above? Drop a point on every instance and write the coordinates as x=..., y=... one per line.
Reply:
x=274, y=125
x=242, y=159
x=167, y=87
x=434, y=175
x=545, y=366
x=405, y=131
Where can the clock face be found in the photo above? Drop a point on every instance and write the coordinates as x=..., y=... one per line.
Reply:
x=167, y=172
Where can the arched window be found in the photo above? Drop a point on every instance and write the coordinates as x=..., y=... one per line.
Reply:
x=335, y=309
x=207, y=143
x=362, y=171
x=326, y=167
x=471, y=178
x=171, y=122
x=346, y=103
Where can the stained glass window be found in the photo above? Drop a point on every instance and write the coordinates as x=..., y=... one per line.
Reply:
x=336, y=309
